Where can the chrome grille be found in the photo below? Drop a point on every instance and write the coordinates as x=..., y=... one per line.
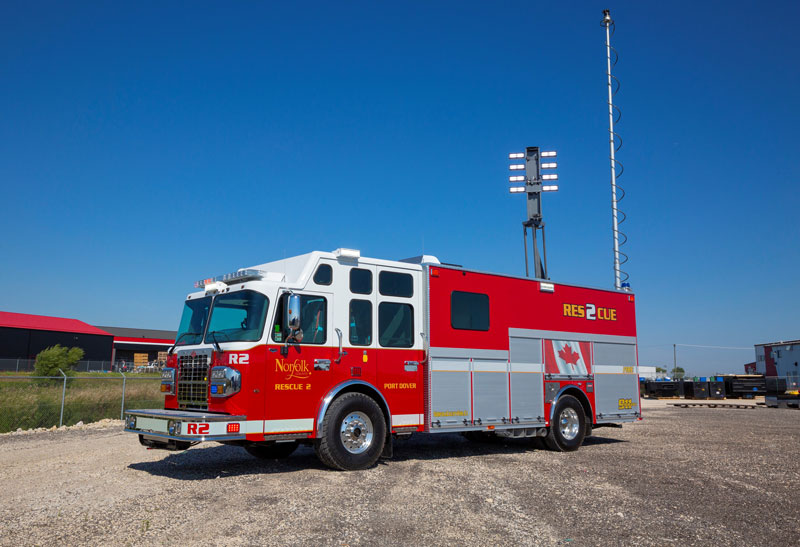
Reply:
x=193, y=381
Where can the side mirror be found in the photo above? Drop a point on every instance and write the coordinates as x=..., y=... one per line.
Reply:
x=292, y=319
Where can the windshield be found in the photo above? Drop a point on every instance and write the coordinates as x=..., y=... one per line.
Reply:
x=193, y=321
x=238, y=317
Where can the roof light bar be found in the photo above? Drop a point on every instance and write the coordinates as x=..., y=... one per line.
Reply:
x=516, y=179
x=516, y=189
x=550, y=176
x=233, y=277
x=516, y=167
x=516, y=156
x=552, y=165
x=551, y=154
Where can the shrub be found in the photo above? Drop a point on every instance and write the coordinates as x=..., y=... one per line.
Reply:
x=56, y=357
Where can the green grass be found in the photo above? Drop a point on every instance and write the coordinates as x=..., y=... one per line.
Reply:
x=29, y=403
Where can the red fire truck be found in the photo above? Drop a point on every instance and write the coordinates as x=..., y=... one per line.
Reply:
x=346, y=353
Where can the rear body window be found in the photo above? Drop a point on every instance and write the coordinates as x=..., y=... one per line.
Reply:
x=396, y=284
x=469, y=310
x=360, y=322
x=323, y=275
x=360, y=281
x=395, y=325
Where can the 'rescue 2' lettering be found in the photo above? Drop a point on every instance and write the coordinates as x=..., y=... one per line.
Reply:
x=590, y=312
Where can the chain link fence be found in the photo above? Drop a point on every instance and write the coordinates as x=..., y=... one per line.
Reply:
x=28, y=402
x=26, y=365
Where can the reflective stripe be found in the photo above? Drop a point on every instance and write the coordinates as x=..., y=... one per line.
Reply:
x=399, y=420
x=287, y=426
x=526, y=367
x=612, y=369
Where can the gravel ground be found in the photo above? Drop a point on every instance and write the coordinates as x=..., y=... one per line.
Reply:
x=682, y=476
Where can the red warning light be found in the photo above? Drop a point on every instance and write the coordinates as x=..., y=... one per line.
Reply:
x=434, y=272
x=233, y=428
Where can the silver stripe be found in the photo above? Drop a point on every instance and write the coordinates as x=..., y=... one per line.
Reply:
x=466, y=353
x=576, y=336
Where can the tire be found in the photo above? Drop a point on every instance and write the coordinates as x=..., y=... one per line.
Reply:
x=353, y=433
x=271, y=450
x=568, y=427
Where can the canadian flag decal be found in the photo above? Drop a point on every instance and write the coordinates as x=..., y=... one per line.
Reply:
x=567, y=357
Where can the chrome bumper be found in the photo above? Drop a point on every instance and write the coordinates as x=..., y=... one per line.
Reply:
x=180, y=425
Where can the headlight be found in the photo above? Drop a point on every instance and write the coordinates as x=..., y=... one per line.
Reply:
x=173, y=427
x=225, y=381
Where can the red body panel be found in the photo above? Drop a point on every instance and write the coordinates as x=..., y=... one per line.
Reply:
x=518, y=303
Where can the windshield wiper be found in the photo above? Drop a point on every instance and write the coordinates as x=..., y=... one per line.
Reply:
x=169, y=351
x=213, y=334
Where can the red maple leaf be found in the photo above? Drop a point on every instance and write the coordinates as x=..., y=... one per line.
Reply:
x=569, y=356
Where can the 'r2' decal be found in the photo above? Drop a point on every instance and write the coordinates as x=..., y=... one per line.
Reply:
x=239, y=359
x=197, y=429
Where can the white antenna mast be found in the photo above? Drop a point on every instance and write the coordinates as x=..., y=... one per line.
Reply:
x=615, y=143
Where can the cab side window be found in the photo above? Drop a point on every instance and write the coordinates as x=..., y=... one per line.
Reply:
x=395, y=325
x=360, y=322
x=313, y=319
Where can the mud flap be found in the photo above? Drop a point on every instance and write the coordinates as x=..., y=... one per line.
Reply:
x=388, y=448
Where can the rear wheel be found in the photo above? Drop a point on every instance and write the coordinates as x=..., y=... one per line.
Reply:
x=353, y=433
x=271, y=450
x=568, y=427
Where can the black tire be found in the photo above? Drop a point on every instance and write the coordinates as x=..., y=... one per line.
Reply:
x=568, y=427
x=271, y=450
x=353, y=433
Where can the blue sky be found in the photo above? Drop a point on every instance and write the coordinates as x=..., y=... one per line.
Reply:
x=149, y=145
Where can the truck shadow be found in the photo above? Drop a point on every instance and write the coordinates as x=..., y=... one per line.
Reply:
x=220, y=461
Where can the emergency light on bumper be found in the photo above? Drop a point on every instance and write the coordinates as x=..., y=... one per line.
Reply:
x=176, y=425
x=225, y=381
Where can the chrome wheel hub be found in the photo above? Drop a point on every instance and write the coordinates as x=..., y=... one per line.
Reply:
x=356, y=432
x=568, y=423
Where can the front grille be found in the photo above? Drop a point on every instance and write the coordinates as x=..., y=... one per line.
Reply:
x=193, y=382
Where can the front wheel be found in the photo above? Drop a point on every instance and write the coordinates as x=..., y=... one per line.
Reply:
x=568, y=427
x=353, y=433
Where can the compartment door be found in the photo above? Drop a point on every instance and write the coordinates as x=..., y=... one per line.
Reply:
x=616, y=382
x=526, y=371
x=450, y=389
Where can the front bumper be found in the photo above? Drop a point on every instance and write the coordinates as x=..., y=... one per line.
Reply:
x=180, y=425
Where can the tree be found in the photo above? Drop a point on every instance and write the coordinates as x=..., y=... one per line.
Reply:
x=678, y=372
x=56, y=357
x=661, y=369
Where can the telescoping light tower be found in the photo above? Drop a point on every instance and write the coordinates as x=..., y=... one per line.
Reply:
x=535, y=182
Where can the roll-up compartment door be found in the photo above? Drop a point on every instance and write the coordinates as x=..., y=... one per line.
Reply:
x=616, y=380
x=449, y=391
x=490, y=390
x=526, y=367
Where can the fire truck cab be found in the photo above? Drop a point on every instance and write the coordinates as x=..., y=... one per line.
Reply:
x=346, y=352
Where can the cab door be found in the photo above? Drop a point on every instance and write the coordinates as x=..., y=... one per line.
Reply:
x=299, y=372
x=400, y=347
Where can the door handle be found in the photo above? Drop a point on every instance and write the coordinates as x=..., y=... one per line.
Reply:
x=322, y=364
x=411, y=366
